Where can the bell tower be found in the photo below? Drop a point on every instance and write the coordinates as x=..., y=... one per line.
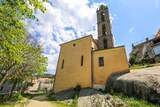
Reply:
x=105, y=37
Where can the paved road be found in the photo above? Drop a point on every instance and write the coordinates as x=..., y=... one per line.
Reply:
x=40, y=101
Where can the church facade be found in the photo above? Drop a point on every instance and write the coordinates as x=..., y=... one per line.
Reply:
x=88, y=62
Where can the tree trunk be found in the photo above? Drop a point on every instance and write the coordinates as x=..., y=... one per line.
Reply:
x=13, y=87
x=3, y=79
x=24, y=86
x=8, y=71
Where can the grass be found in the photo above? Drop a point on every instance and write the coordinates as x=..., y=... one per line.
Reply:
x=138, y=103
x=133, y=102
x=17, y=100
x=11, y=105
x=140, y=66
x=29, y=96
x=15, y=97
x=4, y=105
x=62, y=104
x=20, y=99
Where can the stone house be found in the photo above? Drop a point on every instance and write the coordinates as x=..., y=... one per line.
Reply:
x=147, y=50
x=45, y=83
x=89, y=62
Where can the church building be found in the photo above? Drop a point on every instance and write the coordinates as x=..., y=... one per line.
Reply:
x=89, y=62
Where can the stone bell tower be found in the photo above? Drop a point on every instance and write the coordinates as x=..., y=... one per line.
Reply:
x=105, y=37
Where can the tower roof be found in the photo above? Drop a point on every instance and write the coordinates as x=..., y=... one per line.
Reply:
x=102, y=7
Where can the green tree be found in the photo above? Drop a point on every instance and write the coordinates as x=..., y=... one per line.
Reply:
x=34, y=63
x=17, y=54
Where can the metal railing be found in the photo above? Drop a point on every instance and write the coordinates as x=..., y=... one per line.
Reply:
x=144, y=40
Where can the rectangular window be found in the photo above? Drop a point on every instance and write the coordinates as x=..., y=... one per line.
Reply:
x=101, y=61
x=156, y=50
x=81, y=60
x=62, y=64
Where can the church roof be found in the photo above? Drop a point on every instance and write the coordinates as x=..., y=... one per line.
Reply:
x=109, y=48
x=79, y=39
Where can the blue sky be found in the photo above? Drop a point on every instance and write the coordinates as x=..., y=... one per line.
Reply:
x=135, y=20
x=65, y=20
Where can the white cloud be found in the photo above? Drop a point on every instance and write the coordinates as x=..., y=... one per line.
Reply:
x=63, y=21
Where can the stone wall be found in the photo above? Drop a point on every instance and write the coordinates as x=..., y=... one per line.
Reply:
x=43, y=86
x=143, y=51
x=141, y=83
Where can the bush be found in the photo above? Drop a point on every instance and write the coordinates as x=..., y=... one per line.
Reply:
x=16, y=97
x=77, y=88
x=132, y=60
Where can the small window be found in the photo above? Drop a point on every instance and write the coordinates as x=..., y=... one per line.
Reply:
x=104, y=29
x=102, y=16
x=156, y=50
x=81, y=60
x=105, y=43
x=62, y=64
x=74, y=45
x=101, y=61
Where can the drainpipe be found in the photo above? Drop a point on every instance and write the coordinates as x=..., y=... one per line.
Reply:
x=92, y=72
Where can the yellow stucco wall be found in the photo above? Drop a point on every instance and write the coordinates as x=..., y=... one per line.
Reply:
x=73, y=73
x=94, y=45
x=115, y=61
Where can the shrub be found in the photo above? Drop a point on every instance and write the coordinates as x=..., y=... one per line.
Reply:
x=16, y=97
x=132, y=60
x=77, y=88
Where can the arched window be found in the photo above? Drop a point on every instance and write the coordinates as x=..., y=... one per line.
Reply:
x=105, y=43
x=102, y=16
x=103, y=29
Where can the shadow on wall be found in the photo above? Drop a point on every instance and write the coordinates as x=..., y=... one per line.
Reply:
x=78, y=92
x=72, y=93
x=118, y=74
